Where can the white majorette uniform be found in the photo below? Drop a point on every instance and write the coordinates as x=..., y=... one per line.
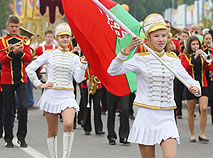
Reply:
x=62, y=67
x=155, y=117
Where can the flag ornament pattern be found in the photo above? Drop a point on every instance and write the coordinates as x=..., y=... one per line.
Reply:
x=119, y=31
x=101, y=39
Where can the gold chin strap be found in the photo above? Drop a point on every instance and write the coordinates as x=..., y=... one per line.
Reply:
x=153, y=47
x=63, y=49
x=60, y=47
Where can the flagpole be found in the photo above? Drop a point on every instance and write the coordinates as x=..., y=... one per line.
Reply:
x=14, y=9
x=144, y=45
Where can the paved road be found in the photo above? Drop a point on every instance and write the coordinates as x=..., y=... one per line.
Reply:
x=97, y=146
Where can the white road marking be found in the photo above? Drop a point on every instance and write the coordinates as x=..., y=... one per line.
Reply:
x=29, y=150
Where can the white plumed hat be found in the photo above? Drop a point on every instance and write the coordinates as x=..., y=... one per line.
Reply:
x=62, y=29
x=152, y=23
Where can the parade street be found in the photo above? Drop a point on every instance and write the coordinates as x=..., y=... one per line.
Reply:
x=95, y=146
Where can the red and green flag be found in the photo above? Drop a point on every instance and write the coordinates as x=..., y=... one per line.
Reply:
x=101, y=39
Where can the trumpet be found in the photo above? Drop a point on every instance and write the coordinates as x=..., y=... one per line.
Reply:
x=25, y=41
x=184, y=42
x=209, y=52
x=207, y=57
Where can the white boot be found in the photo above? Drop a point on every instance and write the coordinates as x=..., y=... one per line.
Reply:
x=67, y=143
x=52, y=146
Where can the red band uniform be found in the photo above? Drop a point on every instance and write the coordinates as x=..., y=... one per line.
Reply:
x=13, y=79
x=96, y=103
x=196, y=69
x=209, y=77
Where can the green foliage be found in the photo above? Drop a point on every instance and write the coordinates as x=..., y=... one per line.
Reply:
x=189, y=2
x=4, y=13
x=141, y=8
x=207, y=19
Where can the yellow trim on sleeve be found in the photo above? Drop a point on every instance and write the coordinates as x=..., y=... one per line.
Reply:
x=4, y=44
x=124, y=53
x=39, y=86
x=191, y=63
x=22, y=69
x=11, y=71
x=23, y=55
x=83, y=62
x=118, y=59
x=9, y=56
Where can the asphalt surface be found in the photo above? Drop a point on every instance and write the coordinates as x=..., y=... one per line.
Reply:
x=94, y=146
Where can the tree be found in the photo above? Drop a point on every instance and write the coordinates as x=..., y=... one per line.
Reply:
x=189, y=2
x=4, y=13
x=179, y=2
x=207, y=19
x=141, y=8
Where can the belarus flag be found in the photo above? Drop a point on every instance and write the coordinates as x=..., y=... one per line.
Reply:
x=101, y=38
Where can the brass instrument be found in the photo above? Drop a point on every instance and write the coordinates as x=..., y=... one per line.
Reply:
x=25, y=32
x=25, y=41
x=29, y=34
x=184, y=42
x=209, y=52
x=94, y=81
x=169, y=43
x=174, y=31
x=207, y=57
x=44, y=74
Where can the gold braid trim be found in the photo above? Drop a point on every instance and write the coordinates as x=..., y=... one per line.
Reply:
x=116, y=58
x=124, y=53
x=81, y=60
x=154, y=107
x=61, y=88
x=172, y=54
x=143, y=53
x=39, y=86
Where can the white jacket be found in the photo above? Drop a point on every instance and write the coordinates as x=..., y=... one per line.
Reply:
x=61, y=67
x=154, y=81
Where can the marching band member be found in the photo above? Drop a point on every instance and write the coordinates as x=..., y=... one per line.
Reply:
x=154, y=123
x=196, y=66
x=183, y=39
x=48, y=38
x=1, y=107
x=178, y=86
x=58, y=96
x=94, y=95
x=208, y=49
x=112, y=102
x=14, y=54
x=175, y=47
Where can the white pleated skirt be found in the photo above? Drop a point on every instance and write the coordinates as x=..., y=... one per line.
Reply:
x=57, y=100
x=151, y=126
